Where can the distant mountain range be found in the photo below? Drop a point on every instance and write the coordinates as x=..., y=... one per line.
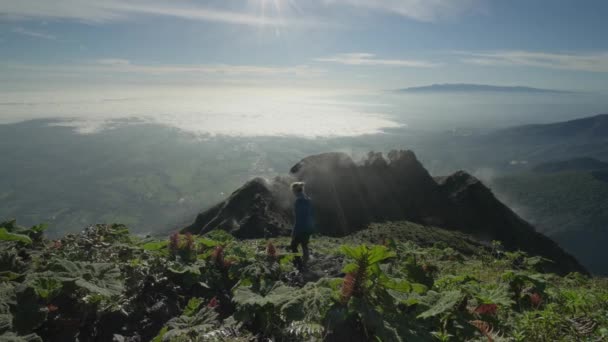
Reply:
x=474, y=88
x=593, y=128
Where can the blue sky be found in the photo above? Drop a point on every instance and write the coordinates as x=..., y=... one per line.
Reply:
x=367, y=44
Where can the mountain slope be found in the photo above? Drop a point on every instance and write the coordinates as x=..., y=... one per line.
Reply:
x=593, y=127
x=570, y=207
x=348, y=196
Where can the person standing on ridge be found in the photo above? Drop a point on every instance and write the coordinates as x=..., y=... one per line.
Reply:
x=303, y=226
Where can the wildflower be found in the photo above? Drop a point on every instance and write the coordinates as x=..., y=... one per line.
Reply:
x=348, y=287
x=213, y=303
x=57, y=244
x=174, y=242
x=487, y=309
x=52, y=308
x=271, y=251
x=218, y=256
x=189, y=242
x=536, y=299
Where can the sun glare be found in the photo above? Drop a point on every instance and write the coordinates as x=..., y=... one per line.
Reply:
x=272, y=9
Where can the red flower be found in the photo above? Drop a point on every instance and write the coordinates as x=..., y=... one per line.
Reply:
x=52, y=308
x=487, y=309
x=218, y=256
x=189, y=242
x=348, y=287
x=174, y=242
x=271, y=251
x=536, y=299
x=213, y=303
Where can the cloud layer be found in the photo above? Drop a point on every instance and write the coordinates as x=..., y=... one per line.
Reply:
x=370, y=59
x=34, y=34
x=591, y=62
x=421, y=10
x=281, y=13
x=98, y=11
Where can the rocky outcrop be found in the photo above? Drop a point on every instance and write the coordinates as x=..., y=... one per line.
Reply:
x=253, y=211
x=348, y=196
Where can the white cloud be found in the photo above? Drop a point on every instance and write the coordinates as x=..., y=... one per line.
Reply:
x=113, y=61
x=111, y=10
x=370, y=59
x=592, y=62
x=421, y=10
x=34, y=34
x=282, y=13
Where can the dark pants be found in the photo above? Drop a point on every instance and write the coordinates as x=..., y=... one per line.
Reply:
x=300, y=239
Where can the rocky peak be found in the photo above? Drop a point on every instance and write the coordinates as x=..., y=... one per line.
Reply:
x=348, y=196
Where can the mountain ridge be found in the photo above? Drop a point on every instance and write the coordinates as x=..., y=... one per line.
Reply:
x=349, y=196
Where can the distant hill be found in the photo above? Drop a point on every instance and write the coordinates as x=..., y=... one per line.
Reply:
x=576, y=164
x=348, y=196
x=585, y=129
x=522, y=147
x=466, y=87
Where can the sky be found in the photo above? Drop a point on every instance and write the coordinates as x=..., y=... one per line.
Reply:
x=323, y=44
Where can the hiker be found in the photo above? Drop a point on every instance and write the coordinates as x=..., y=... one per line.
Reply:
x=303, y=224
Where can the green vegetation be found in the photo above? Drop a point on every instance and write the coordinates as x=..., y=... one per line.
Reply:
x=388, y=283
x=570, y=207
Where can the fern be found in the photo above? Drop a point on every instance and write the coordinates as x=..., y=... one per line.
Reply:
x=304, y=330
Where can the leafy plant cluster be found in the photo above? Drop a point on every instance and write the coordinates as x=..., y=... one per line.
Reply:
x=106, y=284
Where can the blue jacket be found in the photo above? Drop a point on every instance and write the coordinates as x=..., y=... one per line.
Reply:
x=303, y=214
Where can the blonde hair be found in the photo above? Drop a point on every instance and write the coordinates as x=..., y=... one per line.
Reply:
x=297, y=187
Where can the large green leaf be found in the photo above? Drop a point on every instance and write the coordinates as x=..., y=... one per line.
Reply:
x=45, y=285
x=310, y=303
x=98, y=278
x=194, y=326
x=5, y=235
x=441, y=303
x=192, y=306
x=379, y=253
x=155, y=245
x=490, y=294
x=277, y=296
